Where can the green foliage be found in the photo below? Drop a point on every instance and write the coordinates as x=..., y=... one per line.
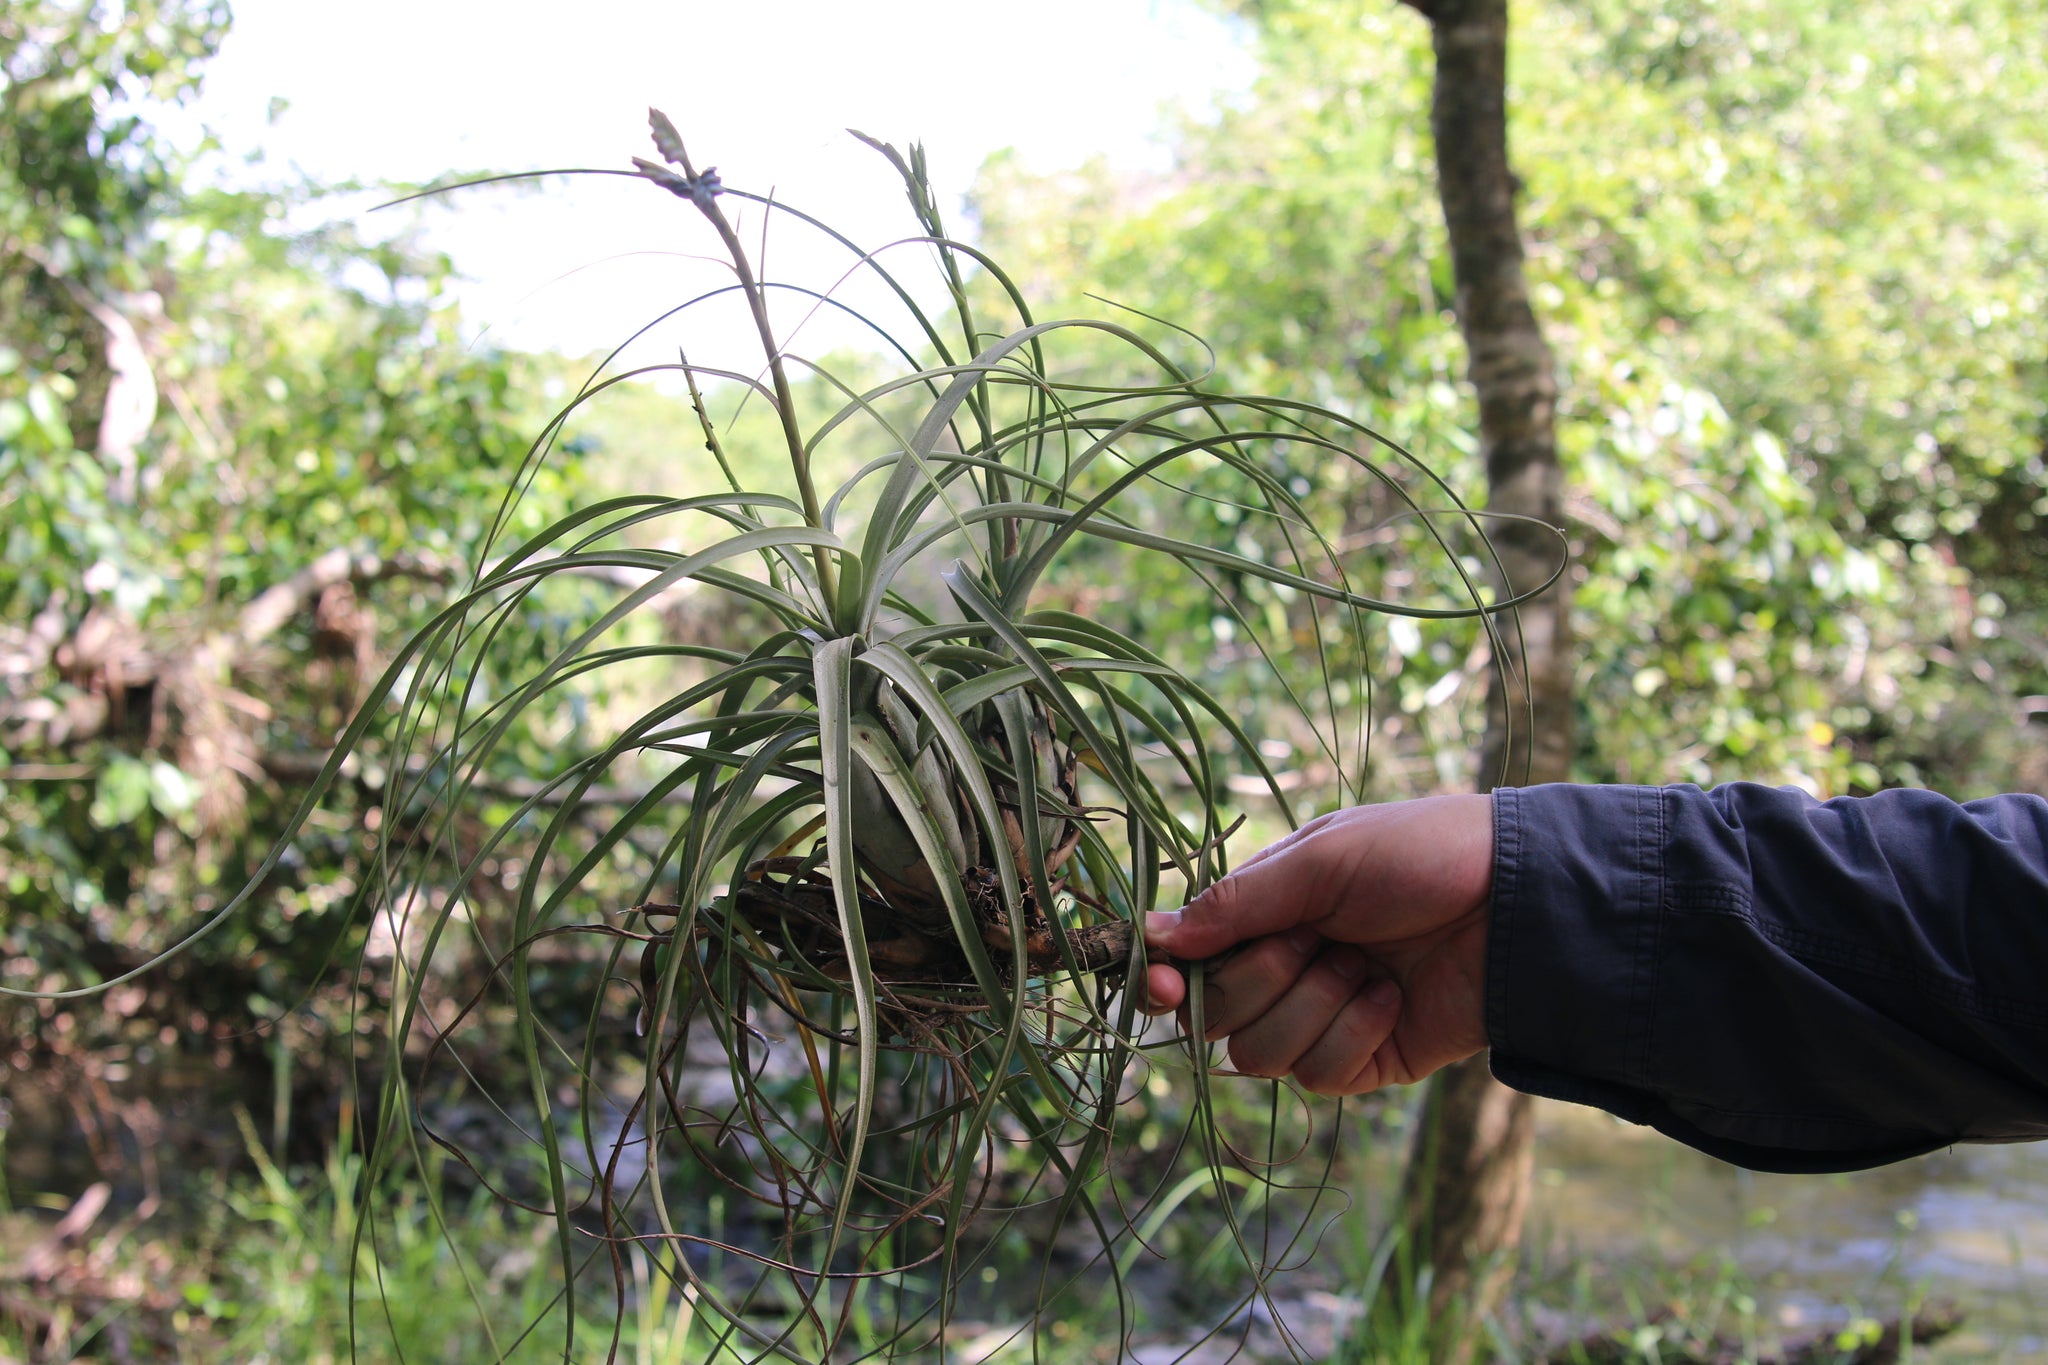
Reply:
x=201, y=405
x=82, y=168
x=1790, y=260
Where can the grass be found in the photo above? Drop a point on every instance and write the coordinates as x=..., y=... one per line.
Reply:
x=279, y=1268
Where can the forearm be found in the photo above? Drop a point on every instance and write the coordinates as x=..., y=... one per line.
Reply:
x=1788, y=984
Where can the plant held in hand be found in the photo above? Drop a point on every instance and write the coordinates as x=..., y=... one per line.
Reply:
x=864, y=863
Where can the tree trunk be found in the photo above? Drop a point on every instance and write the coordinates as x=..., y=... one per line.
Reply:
x=1467, y=1182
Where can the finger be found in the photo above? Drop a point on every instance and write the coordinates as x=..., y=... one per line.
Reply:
x=1165, y=989
x=1268, y=897
x=1348, y=1059
x=1240, y=990
x=1370, y=872
x=1292, y=837
x=1282, y=845
x=1274, y=1043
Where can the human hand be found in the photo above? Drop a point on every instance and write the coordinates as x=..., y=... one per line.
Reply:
x=1364, y=957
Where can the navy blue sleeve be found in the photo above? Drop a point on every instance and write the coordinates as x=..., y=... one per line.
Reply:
x=1784, y=983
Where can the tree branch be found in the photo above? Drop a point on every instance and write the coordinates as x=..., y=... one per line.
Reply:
x=275, y=605
x=113, y=654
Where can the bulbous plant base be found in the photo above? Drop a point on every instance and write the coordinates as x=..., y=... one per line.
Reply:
x=922, y=966
x=915, y=931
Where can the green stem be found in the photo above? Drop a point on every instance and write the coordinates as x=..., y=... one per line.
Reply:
x=785, y=400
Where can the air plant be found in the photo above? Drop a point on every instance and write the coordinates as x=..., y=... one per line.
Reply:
x=861, y=876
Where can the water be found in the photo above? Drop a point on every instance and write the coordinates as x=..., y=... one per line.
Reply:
x=1969, y=1224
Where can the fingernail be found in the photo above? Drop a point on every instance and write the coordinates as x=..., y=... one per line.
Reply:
x=1347, y=966
x=1161, y=922
x=1304, y=940
x=1383, y=992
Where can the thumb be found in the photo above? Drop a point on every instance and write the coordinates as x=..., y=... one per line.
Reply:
x=1266, y=896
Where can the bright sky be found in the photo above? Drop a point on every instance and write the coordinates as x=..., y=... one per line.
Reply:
x=409, y=89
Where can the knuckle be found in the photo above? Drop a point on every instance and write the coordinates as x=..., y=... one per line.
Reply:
x=1317, y=1077
x=1248, y=1058
x=1221, y=904
x=1335, y=1076
x=1328, y=1071
x=1366, y=1081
